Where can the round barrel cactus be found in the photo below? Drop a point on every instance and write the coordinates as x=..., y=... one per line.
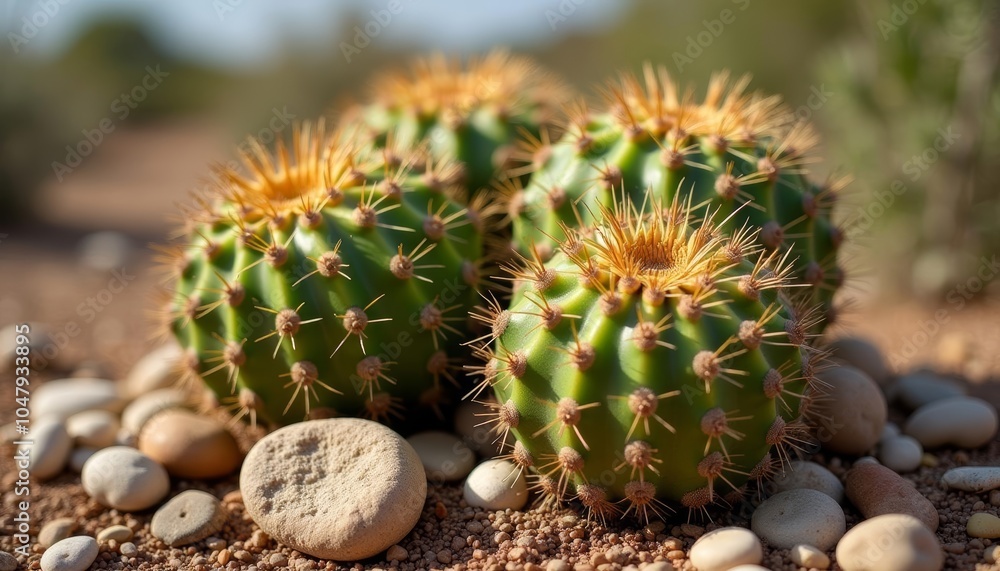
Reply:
x=327, y=278
x=653, y=359
x=743, y=154
x=474, y=113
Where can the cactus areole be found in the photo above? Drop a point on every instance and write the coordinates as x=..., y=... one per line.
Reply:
x=327, y=278
x=653, y=358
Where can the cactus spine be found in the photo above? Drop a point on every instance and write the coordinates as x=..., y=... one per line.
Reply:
x=310, y=283
x=654, y=358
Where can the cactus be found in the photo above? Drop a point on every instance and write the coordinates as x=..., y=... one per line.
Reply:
x=734, y=151
x=474, y=114
x=331, y=278
x=653, y=359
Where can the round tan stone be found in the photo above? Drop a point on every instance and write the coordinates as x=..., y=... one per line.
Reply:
x=189, y=445
x=891, y=542
x=341, y=489
x=852, y=412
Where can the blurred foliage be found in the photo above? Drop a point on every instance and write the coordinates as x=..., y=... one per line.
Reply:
x=919, y=130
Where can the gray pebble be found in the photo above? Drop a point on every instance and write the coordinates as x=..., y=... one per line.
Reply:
x=189, y=517
x=71, y=554
x=799, y=516
x=63, y=398
x=901, y=454
x=7, y=562
x=975, y=479
x=51, y=448
x=809, y=475
x=923, y=387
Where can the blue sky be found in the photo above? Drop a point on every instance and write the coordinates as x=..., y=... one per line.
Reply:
x=246, y=33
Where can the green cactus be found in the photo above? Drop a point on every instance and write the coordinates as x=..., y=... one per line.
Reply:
x=330, y=278
x=654, y=358
x=734, y=151
x=474, y=114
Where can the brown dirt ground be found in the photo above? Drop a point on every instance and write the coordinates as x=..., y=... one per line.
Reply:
x=43, y=282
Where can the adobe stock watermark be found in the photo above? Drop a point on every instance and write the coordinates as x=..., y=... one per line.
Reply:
x=121, y=107
x=697, y=43
x=563, y=12
x=365, y=33
x=957, y=298
x=33, y=23
x=914, y=168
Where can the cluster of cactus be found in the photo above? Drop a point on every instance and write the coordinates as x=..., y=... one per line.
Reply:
x=743, y=154
x=653, y=349
x=653, y=358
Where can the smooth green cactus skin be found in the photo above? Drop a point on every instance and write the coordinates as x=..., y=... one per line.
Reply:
x=643, y=366
x=474, y=114
x=331, y=281
x=740, y=155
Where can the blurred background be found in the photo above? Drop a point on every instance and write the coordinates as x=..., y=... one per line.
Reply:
x=112, y=111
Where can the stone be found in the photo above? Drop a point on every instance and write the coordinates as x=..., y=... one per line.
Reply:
x=50, y=449
x=799, y=516
x=7, y=562
x=749, y=567
x=148, y=405
x=396, y=553
x=189, y=445
x=71, y=554
x=890, y=430
x=78, y=457
x=128, y=549
x=124, y=479
x=983, y=525
x=472, y=424
x=55, y=531
x=188, y=517
x=105, y=251
x=890, y=542
x=93, y=428
x=876, y=490
x=119, y=533
x=809, y=557
x=916, y=389
x=343, y=489
x=444, y=456
x=976, y=479
x=809, y=475
x=496, y=485
x=965, y=422
x=863, y=355
x=156, y=370
x=900, y=453
x=657, y=566
x=724, y=548
x=852, y=412
x=61, y=399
